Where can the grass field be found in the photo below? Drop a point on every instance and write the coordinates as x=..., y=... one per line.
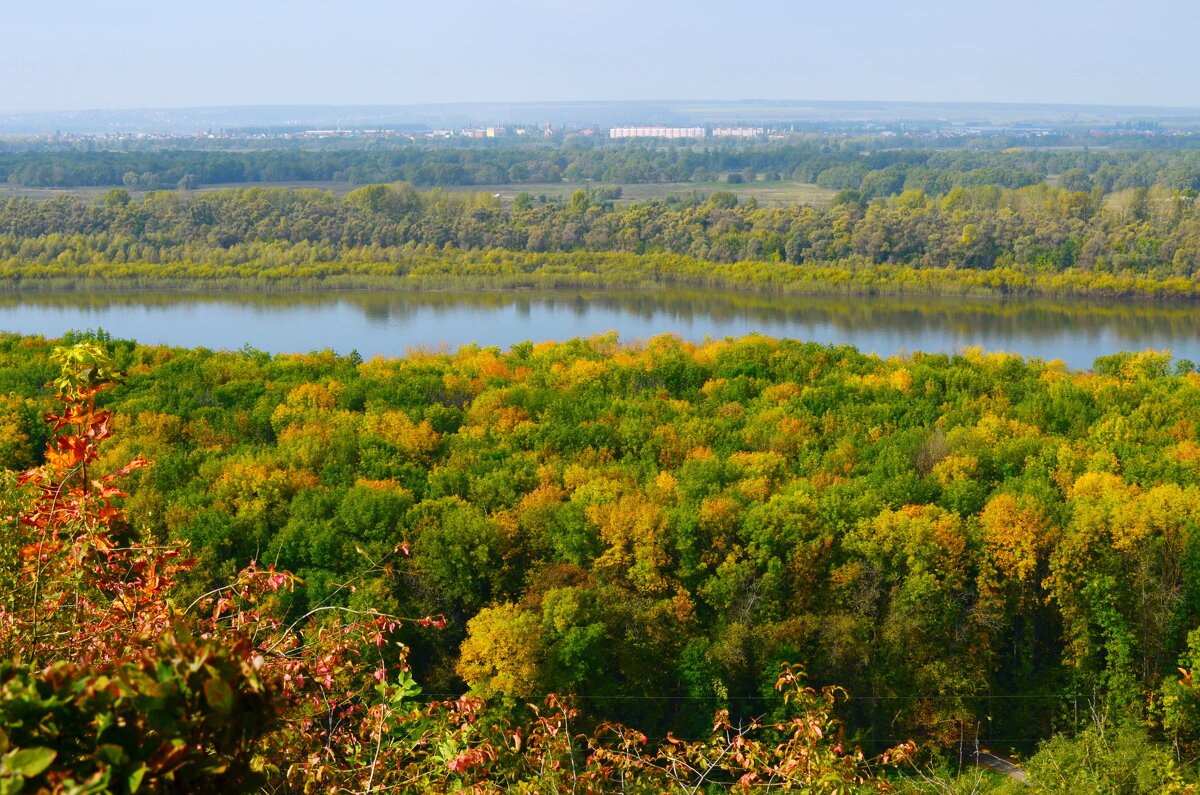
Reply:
x=768, y=193
x=8, y=191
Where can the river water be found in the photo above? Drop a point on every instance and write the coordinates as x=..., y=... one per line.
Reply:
x=389, y=324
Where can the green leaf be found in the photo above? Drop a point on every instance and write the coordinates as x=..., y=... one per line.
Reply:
x=29, y=762
x=219, y=695
x=111, y=754
x=406, y=686
x=135, y=778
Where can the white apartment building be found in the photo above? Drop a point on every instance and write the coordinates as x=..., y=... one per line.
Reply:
x=656, y=132
x=738, y=132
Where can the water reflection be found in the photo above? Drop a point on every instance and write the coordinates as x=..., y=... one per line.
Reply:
x=389, y=323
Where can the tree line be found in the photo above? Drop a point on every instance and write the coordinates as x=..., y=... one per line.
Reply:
x=1038, y=232
x=873, y=166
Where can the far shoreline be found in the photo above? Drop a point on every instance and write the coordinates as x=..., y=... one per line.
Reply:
x=500, y=270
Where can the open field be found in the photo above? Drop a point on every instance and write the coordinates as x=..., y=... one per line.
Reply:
x=8, y=191
x=767, y=193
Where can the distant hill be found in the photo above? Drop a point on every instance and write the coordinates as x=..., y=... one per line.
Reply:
x=301, y=117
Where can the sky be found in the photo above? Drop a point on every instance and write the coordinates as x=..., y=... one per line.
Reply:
x=85, y=54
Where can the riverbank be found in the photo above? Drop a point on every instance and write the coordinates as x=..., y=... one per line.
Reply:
x=499, y=269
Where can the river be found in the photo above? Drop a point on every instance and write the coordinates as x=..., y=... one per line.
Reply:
x=389, y=324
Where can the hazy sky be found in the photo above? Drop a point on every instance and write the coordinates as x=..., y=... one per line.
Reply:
x=76, y=54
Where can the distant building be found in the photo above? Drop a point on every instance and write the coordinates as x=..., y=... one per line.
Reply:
x=497, y=132
x=738, y=132
x=656, y=132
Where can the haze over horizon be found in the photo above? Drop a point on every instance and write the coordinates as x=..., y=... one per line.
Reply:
x=66, y=55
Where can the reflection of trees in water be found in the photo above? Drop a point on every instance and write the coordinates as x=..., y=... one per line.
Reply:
x=960, y=317
x=376, y=311
x=966, y=317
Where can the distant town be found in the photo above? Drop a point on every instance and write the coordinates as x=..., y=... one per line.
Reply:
x=748, y=120
x=652, y=132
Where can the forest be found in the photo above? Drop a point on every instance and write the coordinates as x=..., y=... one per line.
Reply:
x=910, y=557
x=1036, y=239
x=875, y=165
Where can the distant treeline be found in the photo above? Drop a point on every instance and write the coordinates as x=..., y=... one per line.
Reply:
x=1143, y=235
x=838, y=164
